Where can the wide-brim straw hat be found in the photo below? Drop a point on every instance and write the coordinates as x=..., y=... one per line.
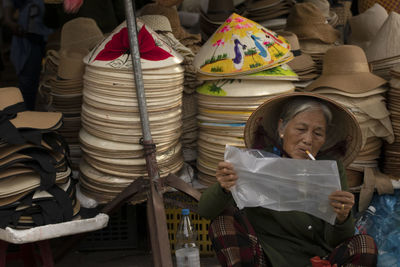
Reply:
x=71, y=66
x=301, y=60
x=307, y=22
x=346, y=68
x=324, y=6
x=344, y=126
x=80, y=32
x=10, y=96
x=385, y=43
x=365, y=26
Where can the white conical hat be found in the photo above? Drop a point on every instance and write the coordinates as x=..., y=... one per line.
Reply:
x=241, y=46
x=386, y=42
x=114, y=51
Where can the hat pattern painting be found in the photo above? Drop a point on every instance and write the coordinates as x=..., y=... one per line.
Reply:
x=241, y=46
x=119, y=45
x=114, y=52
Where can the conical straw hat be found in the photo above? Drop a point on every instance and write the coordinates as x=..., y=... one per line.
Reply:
x=344, y=125
x=114, y=51
x=386, y=42
x=241, y=46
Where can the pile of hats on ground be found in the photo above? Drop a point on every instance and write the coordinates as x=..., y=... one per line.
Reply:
x=244, y=65
x=316, y=36
x=270, y=14
x=171, y=32
x=111, y=131
x=383, y=52
x=391, y=161
x=62, y=82
x=35, y=178
x=346, y=78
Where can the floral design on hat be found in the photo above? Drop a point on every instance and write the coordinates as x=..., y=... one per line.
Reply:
x=114, y=52
x=241, y=46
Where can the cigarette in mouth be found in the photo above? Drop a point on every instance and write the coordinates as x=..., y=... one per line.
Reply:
x=310, y=155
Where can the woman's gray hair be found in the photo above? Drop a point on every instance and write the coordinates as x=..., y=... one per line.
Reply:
x=300, y=104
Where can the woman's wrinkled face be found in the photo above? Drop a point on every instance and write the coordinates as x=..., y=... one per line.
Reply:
x=306, y=131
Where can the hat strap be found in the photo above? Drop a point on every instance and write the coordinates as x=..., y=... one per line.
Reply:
x=10, y=133
x=296, y=53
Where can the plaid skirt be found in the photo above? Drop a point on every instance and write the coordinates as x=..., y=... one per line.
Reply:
x=236, y=244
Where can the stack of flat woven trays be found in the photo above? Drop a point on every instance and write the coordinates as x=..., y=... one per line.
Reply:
x=113, y=155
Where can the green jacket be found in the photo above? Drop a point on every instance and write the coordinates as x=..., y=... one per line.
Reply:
x=288, y=238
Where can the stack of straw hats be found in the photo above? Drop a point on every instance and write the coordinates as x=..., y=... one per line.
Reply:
x=365, y=26
x=244, y=65
x=302, y=63
x=391, y=161
x=213, y=14
x=62, y=82
x=315, y=35
x=160, y=24
x=111, y=127
x=383, y=52
x=346, y=78
x=325, y=7
x=270, y=14
x=35, y=178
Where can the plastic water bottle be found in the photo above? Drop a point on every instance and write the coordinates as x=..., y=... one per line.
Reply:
x=365, y=222
x=186, y=249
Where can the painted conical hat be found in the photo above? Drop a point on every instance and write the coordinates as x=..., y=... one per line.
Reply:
x=243, y=88
x=241, y=46
x=113, y=52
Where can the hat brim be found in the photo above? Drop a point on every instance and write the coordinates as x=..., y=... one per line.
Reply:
x=344, y=125
x=350, y=83
x=304, y=61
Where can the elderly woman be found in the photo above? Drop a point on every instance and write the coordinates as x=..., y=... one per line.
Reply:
x=289, y=125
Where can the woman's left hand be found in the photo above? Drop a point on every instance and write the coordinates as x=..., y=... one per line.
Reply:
x=342, y=203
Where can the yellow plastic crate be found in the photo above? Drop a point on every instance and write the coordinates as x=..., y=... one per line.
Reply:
x=201, y=225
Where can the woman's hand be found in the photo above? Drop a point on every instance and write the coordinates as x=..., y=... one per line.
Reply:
x=226, y=175
x=342, y=203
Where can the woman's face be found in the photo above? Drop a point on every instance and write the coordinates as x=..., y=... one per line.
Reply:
x=306, y=131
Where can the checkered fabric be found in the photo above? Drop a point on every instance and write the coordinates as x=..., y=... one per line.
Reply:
x=359, y=250
x=235, y=242
x=389, y=5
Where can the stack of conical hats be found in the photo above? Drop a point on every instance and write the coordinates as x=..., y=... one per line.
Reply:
x=62, y=82
x=391, y=161
x=346, y=78
x=243, y=64
x=35, y=178
x=383, y=52
x=111, y=127
x=270, y=14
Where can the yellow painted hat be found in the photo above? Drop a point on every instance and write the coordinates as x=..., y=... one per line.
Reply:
x=241, y=46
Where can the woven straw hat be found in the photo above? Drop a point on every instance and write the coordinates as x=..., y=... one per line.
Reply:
x=301, y=60
x=10, y=96
x=307, y=22
x=385, y=43
x=344, y=125
x=324, y=6
x=346, y=68
x=80, y=32
x=366, y=25
x=71, y=66
x=241, y=46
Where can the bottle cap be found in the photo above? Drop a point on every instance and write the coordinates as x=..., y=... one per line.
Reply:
x=372, y=208
x=185, y=211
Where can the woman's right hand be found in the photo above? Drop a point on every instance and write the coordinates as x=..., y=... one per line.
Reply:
x=226, y=175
